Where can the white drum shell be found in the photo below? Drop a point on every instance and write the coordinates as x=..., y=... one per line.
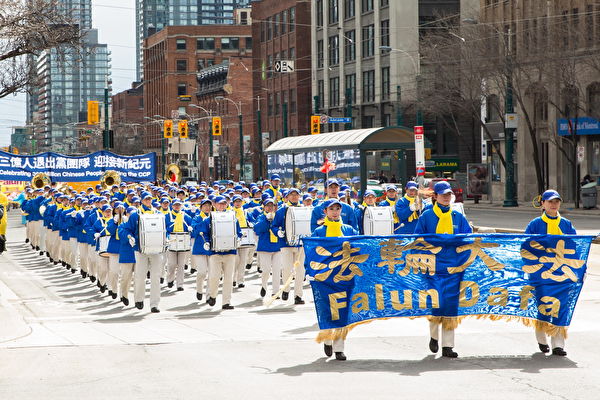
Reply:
x=180, y=241
x=103, y=246
x=248, y=238
x=152, y=233
x=297, y=224
x=378, y=221
x=223, y=231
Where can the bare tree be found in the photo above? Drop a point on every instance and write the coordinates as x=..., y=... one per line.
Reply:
x=26, y=29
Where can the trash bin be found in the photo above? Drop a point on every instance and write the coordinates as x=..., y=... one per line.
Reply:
x=589, y=195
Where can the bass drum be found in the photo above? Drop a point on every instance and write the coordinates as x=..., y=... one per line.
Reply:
x=180, y=242
x=378, y=221
x=248, y=238
x=223, y=231
x=103, y=246
x=297, y=224
x=153, y=237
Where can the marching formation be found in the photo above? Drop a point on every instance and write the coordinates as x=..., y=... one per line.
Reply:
x=120, y=236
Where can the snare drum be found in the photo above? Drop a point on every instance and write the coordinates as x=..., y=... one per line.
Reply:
x=223, y=231
x=378, y=221
x=180, y=242
x=153, y=239
x=103, y=246
x=297, y=224
x=248, y=238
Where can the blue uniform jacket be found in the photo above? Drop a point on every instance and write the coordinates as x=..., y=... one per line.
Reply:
x=114, y=244
x=347, y=230
x=252, y=204
x=403, y=212
x=348, y=216
x=279, y=225
x=263, y=228
x=170, y=222
x=428, y=222
x=199, y=237
x=126, y=253
x=538, y=226
x=49, y=215
x=101, y=227
x=204, y=230
x=131, y=228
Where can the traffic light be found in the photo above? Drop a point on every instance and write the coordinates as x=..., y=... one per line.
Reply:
x=168, y=128
x=93, y=112
x=216, y=126
x=182, y=126
x=315, y=125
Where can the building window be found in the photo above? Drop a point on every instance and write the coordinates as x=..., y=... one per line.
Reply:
x=350, y=83
x=368, y=121
x=276, y=24
x=181, y=44
x=385, y=32
x=540, y=105
x=320, y=55
x=262, y=31
x=292, y=19
x=284, y=21
x=366, y=6
x=269, y=29
x=293, y=103
x=384, y=3
x=385, y=83
x=270, y=104
x=321, y=93
x=350, y=46
x=181, y=89
x=349, y=8
x=319, y=11
x=493, y=108
x=334, y=50
x=368, y=86
x=249, y=43
x=181, y=65
x=334, y=92
x=201, y=64
x=277, y=104
x=368, y=41
x=292, y=53
x=594, y=100
x=333, y=11
x=205, y=43
x=231, y=43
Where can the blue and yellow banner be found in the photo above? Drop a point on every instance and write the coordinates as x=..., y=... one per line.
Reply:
x=535, y=279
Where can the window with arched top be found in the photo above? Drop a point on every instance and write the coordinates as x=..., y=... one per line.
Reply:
x=570, y=101
x=593, y=100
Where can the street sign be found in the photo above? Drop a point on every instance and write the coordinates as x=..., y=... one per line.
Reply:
x=511, y=121
x=211, y=162
x=215, y=147
x=420, y=150
x=284, y=66
x=580, y=154
x=339, y=120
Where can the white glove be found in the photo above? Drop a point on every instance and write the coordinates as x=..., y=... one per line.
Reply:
x=413, y=207
x=206, y=246
x=131, y=240
x=42, y=210
x=281, y=234
x=96, y=235
x=81, y=212
x=250, y=225
x=194, y=209
x=116, y=219
x=190, y=229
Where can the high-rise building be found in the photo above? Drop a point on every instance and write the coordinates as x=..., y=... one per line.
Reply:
x=153, y=15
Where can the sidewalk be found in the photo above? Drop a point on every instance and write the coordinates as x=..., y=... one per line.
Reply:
x=565, y=209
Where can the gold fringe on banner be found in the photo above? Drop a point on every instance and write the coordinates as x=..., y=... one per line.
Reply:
x=449, y=323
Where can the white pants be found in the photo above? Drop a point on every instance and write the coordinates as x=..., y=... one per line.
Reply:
x=35, y=232
x=292, y=259
x=65, y=251
x=200, y=264
x=447, y=334
x=42, y=233
x=102, y=270
x=53, y=242
x=175, y=262
x=113, y=272
x=144, y=263
x=125, y=282
x=270, y=261
x=92, y=261
x=338, y=345
x=83, y=256
x=221, y=264
x=74, y=252
x=242, y=258
x=555, y=341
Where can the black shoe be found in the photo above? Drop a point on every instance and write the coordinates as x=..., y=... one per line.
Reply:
x=211, y=301
x=227, y=307
x=26, y=240
x=103, y=289
x=263, y=292
x=113, y=295
x=155, y=310
x=125, y=301
x=47, y=254
x=544, y=348
x=139, y=305
x=199, y=296
x=340, y=356
x=328, y=349
x=162, y=280
x=170, y=284
x=148, y=275
x=110, y=292
x=285, y=296
x=259, y=271
x=234, y=283
x=99, y=285
x=37, y=248
x=83, y=274
x=73, y=270
x=41, y=253
x=185, y=267
x=55, y=262
x=559, y=351
x=50, y=259
x=92, y=278
x=248, y=266
x=192, y=271
x=433, y=345
x=241, y=285
x=180, y=289
x=298, y=300
x=448, y=352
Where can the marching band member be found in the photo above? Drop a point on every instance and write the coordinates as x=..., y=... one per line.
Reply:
x=243, y=257
x=101, y=229
x=90, y=219
x=200, y=252
x=126, y=258
x=391, y=197
x=74, y=232
x=369, y=200
x=114, y=245
x=441, y=219
x=144, y=262
x=307, y=200
x=82, y=237
x=292, y=257
x=348, y=216
x=48, y=217
x=268, y=248
x=333, y=226
x=551, y=223
x=177, y=221
x=407, y=209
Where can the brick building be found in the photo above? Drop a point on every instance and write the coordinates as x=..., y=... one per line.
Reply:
x=127, y=120
x=281, y=31
x=174, y=59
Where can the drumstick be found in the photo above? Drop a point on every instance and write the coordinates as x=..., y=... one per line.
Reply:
x=268, y=301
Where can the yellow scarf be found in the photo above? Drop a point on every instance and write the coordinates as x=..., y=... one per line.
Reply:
x=241, y=217
x=203, y=215
x=272, y=237
x=393, y=205
x=552, y=224
x=444, y=224
x=178, y=224
x=144, y=211
x=414, y=215
x=104, y=222
x=334, y=228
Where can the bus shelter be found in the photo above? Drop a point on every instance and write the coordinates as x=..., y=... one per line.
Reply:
x=302, y=156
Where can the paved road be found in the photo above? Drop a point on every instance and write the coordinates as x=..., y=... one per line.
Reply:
x=60, y=339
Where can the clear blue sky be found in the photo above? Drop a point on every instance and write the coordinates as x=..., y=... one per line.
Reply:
x=115, y=21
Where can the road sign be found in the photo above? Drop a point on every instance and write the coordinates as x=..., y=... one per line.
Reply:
x=211, y=162
x=284, y=66
x=580, y=154
x=420, y=150
x=511, y=121
x=339, y=120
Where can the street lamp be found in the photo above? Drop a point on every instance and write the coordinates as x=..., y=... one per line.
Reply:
x=241, y=131
x=509, y=140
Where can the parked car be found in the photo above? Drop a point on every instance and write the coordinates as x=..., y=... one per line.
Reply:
x=456, y=189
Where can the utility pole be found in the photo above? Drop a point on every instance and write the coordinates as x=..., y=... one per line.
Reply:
x=509, y=188
x=399, y=121
x=284, y=116
x=260, y=143
x=348, y=111
x=106, y=133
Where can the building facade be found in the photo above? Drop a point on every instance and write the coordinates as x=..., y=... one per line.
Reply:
x=281, y=32
x=127, y=120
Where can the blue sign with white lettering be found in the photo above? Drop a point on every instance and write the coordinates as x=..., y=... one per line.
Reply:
x=583, y=126
x=339, y=120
